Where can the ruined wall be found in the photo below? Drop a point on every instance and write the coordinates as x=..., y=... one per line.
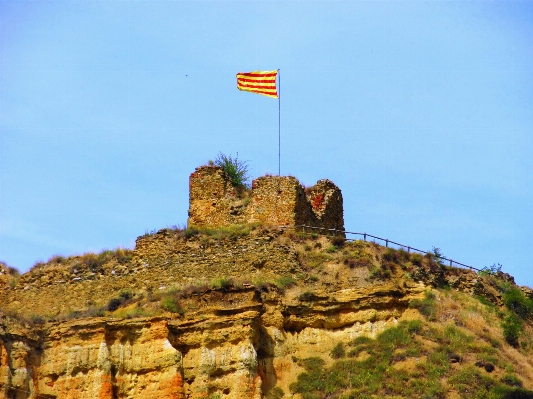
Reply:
x=213, y=201
x=159, y=261
x=326, y=201
x=279, y=201
x=273, y=200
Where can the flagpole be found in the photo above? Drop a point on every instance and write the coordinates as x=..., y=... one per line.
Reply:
x=279, y=124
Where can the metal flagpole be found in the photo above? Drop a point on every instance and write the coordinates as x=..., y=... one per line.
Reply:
x=279, y=124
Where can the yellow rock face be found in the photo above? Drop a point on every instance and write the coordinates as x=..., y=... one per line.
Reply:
x=237, y=345
x=235, y=342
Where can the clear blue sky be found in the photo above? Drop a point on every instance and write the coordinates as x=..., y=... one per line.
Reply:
x=421, y=112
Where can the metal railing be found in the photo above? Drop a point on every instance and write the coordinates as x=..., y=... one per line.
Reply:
x=310, y=230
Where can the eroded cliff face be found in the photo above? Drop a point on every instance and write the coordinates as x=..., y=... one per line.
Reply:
x=235, y=340
x=236, y=344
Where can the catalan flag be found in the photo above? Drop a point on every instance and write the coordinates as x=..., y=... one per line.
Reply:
x=259, y=82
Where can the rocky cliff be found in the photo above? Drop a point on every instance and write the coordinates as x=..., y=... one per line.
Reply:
x=235, y=313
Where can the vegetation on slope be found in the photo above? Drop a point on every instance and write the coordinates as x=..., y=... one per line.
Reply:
x=452, y=352
x=452, y=344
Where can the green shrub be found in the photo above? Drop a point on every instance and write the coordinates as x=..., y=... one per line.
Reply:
x=516, y=301
x=338, y=241
x=331, y=249
x=312, y=364
x=417, y=259
x=284, y=282
x=169, y=304
x=91, y=261
x=375, y=376
x=235, y=169
x=95, y=311
x=490, y=270
x=232, y=231
x=114, y=304
x=123, y=256
x=275, y=393
x=470, y=382
x=105, y=256
x=395, y=255
x=57, y=259
x=455, y=339
x=414, y=326
x=125, y=294
x=75, y=314
x=361, y=340
x=190, y=232
x=307, y=296
x=310, y=384
x=221, y=283
x=512, y=328
x=338, y=351
x=511, y=380
x=511, y=393
x=394, y=337
x=425, y=306
x=313, y=259
x=37, y=319
x=437, y=255
x=485, y=301
x=359, y=345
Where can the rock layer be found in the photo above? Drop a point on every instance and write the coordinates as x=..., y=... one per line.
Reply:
x=237, y=344
x=227, y=341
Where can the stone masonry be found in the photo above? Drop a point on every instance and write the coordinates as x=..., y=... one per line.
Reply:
x=272, y=201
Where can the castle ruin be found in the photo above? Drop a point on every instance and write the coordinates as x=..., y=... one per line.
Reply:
x=273, y=201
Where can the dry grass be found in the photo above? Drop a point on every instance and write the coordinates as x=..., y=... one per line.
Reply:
x=484, y=323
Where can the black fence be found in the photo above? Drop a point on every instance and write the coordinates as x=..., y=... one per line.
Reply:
x=335, y=232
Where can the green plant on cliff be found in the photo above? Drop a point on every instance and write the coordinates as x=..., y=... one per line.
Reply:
x=520, y=309
x=425, y=306
x=222, y=283
x=516, y=301
x=399, y=363
x=512, y=328
x=284, y=282
x=338, y=351
x=12, y=273
x=170, y=304
x=237, y=170
x=275, y=393
x=490, y=270
x=438, y=256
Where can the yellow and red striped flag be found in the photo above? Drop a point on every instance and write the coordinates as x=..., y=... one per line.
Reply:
x=259, y=82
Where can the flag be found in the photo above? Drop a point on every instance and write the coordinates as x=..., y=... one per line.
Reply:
x=259, y=82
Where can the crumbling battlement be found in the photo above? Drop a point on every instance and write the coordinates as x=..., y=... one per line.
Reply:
x=273, y=200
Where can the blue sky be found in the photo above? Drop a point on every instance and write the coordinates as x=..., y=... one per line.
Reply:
x=419, y=111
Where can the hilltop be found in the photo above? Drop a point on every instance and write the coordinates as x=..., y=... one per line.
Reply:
x=249, y=310
x=287, y=312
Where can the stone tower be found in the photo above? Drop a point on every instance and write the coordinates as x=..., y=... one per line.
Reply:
x=273, y=200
